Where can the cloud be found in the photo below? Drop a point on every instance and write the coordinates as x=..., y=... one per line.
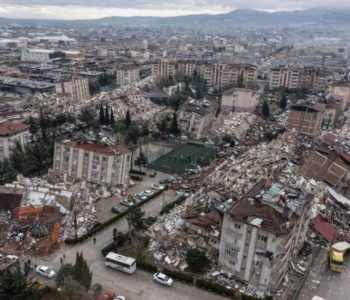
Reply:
x=62, y=9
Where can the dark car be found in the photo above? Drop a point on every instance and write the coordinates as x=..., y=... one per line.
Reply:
x=117, y=210
x=92, y=226
x=153, y=174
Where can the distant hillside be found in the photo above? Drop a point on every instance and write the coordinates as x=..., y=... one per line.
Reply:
x=237, y=18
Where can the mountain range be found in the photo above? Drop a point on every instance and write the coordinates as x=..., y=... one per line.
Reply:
x=237, y=18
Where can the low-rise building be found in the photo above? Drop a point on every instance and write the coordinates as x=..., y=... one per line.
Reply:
x=306, y=119
x=196, y=117
x=11, y=134
x=263, y=232
x=239, y=100
x=98, y=163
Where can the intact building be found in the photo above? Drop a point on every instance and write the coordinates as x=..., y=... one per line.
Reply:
x=41, y=55
x=127, y=75
x=11, y=134
x=306, y=119
x=97, y=163
x=239, y=100
x=263, y=232
x=77, y=88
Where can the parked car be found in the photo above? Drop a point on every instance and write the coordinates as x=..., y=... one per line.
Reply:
x=141, y=196
x=45, y=271
x=120, y=298
x=92, y=226
x=147, y=193
x=163, y=279
x=14, y=258
x=117, y=209
x=127, y=202
x=153, y=174
x=157, y=186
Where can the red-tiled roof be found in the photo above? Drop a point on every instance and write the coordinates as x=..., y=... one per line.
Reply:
x=10, y=128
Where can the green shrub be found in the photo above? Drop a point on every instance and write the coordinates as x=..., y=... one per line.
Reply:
x=137, y=172
x=135, y=177
x=181, y=276
x=146, y=266
x=214, y=287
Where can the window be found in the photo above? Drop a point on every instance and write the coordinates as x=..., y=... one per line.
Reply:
x=237, y=226
x=262, y=238
x=231, y=252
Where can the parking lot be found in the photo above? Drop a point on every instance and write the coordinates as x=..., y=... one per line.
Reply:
x=104, y=206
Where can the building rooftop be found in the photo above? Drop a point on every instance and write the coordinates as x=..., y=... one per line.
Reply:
x=10, y=128
x=98, y=148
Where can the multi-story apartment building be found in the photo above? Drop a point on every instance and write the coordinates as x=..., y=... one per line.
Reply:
x=306, y=119
x=341, y=89
x=127, y=75
x=41, y=55
x=164, y=68
x=11, y=134
x=76, y=88
x=96, y=163
x=239, y=100
x=263, y=232
x=284, y=77
x=215, y=74
x=196, y=118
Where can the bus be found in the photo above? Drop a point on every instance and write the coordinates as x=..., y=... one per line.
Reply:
x=120, y=262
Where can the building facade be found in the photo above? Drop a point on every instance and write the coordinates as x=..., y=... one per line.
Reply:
x=127, y=75
x=95, y=163
x=77, y=88
x=261, y=237
x=306, y=119
x=239, y=100
x=11, y=134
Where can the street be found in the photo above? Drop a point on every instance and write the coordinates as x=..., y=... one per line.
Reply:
x=136, y=286
x=336, y=285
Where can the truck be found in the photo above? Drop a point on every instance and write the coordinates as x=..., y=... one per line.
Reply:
x=336, y=256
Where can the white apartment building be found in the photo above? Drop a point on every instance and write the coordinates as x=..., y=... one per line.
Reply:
x=195, y=119
x=95, y=163
x=164, y=68
x=11, y=134
x=77, y=88
x=284, y=77
x=263, y=232
x=127, y=75
x=41, y=55
x=239, y=100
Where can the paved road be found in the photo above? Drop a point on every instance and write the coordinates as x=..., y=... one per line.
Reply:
x=336, y=285
x=135, y=287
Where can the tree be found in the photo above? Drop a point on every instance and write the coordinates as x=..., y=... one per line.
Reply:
x=174, y=129
x=197, y=260
x=17, y=158
x=88, y=117
x=107, y=120
x=7, y=173
x=73, y=290
x=102, y=116
x=81, y=271
x=283, y=102
x=43, y=122
x=127, y=119
x=141, y=160
x=240, y=81
x=132, y=135
x=94, y=87
x=265, y=109
x=137, y=217
x=112, y=121
x=65, y=271
x=33, y=126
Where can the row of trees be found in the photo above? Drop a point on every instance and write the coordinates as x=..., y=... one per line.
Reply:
x=169, y=125
x=105, y=80
x=106, y=116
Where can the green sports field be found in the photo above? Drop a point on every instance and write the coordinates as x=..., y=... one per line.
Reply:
x=184, y=157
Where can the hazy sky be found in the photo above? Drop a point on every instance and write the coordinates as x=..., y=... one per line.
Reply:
x=79, y=9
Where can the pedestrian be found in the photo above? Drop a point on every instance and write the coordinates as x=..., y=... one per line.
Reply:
x=94, y=240
x=64, y=256
x=61, y=260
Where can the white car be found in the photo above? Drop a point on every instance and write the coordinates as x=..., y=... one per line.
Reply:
x=158, y=186
x=120, y=298
x=45, y=271
x=14, y=258
x=147, y=193
x=163, y=279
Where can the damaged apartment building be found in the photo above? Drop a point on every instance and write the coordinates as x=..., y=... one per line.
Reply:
x=92, y=162
x=262, y=233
